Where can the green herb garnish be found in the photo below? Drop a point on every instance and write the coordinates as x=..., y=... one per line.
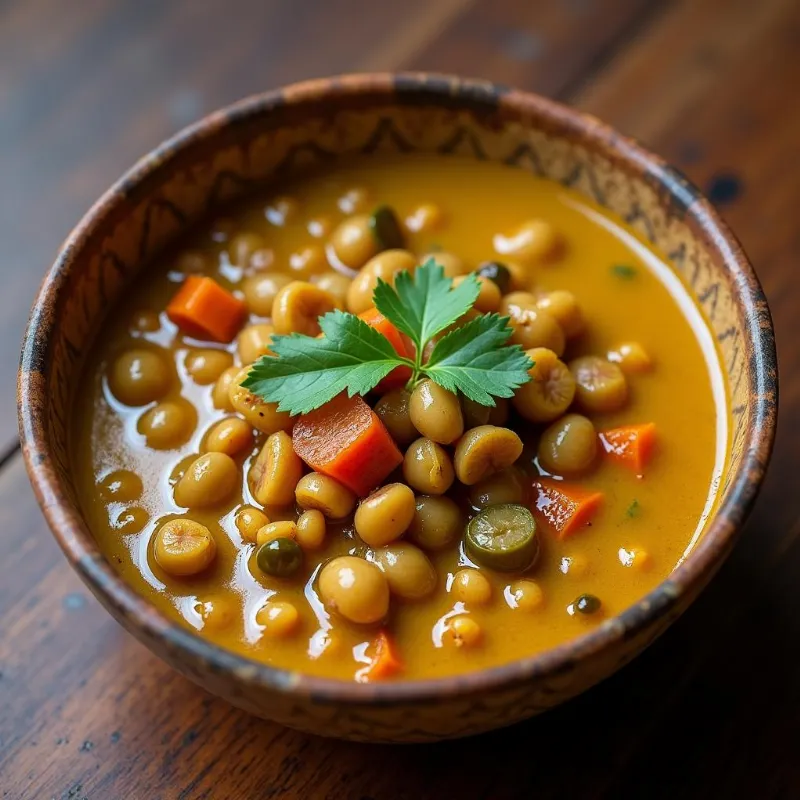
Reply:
x=306, y=372
x=633, y=510
x=624, y=271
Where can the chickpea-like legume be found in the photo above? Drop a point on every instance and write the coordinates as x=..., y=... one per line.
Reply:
x=385, y=515
x=498, y=414
x=309, y=261
x=139, y=376
x=217, y=614
x=320, y=492
x=121, y=486
x=320, y=227
x=437, y=522
x=489, y=297
x=636, y=558
x=462, y=631
x=425, y=218
x=275, y=473
x=253, y=342
x=568, y=446
x=436, y=412
x=452, y=264
x=131, y=519
x=550, y=391
x=354, y=588
x=220, y=394
x=353, y=243
x=278, y=618
x=260, y=291
x=564, y=309
x=242, y=246
x=474, y=413
x=144, y=321
x=334, y=283
x=298, y=306
x=393, y=411
x=427, y=467
x=632, y=358
x=386, y=266
x=281, y=210
x=183, y=547
x=472, y=587
x=354, y=200
x=574, y=566
x=282, y=529
x=407, y=569
x=230, y=436
x=525, y=595
x=191, y=262
x=484, y=450
x=168, y=424
x=533, y=327
x=249, y=520
x=600, y=385
x=209, y=481
x=311, y=529
x=205, y=366
x=506, y=486
x=263, y=416
x=533, y=242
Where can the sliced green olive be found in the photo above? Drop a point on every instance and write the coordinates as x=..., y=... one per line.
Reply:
x=280, y=557
x=386, y=228
x=504, y=538
x=497, y=272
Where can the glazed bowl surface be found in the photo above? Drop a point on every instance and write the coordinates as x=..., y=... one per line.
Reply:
x=277, y=134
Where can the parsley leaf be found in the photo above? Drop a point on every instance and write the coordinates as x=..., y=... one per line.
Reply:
x=471, y=359
x=426, y=304
x=307, y=372
x=633, y=509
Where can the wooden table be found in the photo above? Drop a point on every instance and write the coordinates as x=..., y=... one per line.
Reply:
x=713, y=708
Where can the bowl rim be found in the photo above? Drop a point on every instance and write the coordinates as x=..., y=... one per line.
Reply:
x=75, y=539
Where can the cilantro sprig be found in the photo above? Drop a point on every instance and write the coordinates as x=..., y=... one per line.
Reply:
x=306, y=372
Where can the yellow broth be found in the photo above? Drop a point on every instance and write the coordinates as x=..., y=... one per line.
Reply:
x=625, y=292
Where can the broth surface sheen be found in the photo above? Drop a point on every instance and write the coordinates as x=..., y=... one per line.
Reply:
x=641, y=532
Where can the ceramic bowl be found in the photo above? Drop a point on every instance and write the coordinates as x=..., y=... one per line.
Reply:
x=278, y=133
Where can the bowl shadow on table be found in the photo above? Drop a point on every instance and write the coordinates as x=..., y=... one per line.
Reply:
x=721, y=682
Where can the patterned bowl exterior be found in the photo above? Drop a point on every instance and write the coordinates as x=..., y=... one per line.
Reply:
x=276, y=134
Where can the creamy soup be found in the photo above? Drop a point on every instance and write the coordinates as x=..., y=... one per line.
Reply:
x=411, y=532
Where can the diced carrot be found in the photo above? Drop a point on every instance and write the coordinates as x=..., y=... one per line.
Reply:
x=564, y=507
x=345, y=440
x=631, y=445
x=383, y=663
x=203, y=309
x=400, y=375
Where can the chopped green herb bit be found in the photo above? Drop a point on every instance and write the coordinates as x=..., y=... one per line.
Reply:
x=633, y=509
x=624, y=271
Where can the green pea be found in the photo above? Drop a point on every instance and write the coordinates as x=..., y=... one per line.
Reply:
x=386, y=229
x=280, y=557
x=497, y=272
x=587, y=604
x=503, y=537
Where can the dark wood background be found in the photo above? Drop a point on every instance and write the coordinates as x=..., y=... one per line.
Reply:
x=712, y=710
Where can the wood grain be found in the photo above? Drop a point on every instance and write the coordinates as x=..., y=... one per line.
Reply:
x=711, y=709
